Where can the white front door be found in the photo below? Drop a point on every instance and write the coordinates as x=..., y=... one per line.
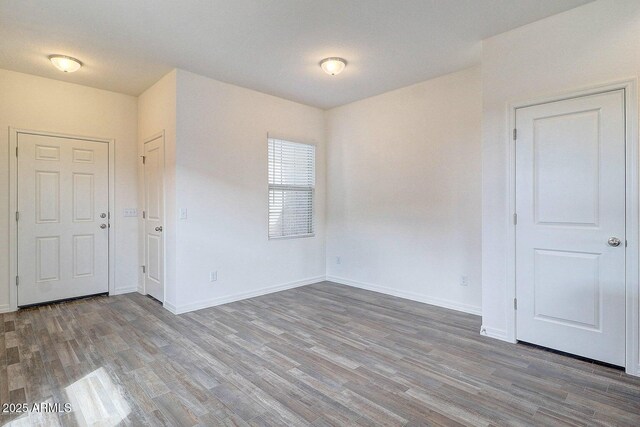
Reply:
x=63, y=206
x=154, y=217
x=570, y=203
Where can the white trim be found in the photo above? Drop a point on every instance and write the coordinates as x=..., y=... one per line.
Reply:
x=242, y=296
x=296, y=236
x=291, y=139
x=128, y=290
x=13, y=226
x=13, y=203
x=632, y=229
x=632, y=212
x=172, y=308
x=498, y=334
x=440, y=302
x=112, y=215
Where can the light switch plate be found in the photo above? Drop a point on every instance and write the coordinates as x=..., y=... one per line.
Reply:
x=183, y=213
x=130, y=212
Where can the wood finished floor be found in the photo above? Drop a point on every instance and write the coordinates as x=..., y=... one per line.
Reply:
x=318, y=355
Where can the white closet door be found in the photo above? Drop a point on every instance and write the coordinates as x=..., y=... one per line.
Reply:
x=570, y=235
x=154, y=212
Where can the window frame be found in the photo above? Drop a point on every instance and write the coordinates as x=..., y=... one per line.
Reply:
x=311, y=189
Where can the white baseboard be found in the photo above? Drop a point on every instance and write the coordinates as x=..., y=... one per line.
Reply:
x=128, y=290
x=498, y=334
x=440, y=302
x=172, y=308
x=635, y=372
x=185, y=308
x=7, y=308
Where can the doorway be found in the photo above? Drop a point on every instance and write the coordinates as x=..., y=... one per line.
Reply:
x=570, y=228
x=153, y=165
x=62, y=217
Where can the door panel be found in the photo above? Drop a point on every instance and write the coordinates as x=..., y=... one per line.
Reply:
x=558, y=141
x=83, y=192
x=570, y=199
x=63, y=188
x=82, y=156
x=154, y=212
x=47, y=197
x=83, y=253
x=47, y=258
x=562, y=276
x=45, y=152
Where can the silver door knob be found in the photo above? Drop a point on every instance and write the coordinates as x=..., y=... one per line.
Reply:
x=103, y=226
x=613, y=241
x=159, y=228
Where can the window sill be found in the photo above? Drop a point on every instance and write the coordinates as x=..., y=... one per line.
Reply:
x=297, y=236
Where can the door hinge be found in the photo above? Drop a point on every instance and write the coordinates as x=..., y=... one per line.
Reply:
x=515, y=303
x=144, y=268
x=144, y=159
x=515, y=219
x=144, y=214
x=17, y=216
x=17, y=280
x=515, y=134
x=16, y=151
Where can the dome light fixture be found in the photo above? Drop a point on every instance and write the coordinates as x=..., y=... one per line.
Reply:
x=333, y=66
x=65, y=64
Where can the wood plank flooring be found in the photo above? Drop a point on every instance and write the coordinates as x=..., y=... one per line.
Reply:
x=318, y=355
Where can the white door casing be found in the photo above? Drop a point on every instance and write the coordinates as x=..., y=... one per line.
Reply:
x=570, y=199
x=154, y=217
x=63, y=189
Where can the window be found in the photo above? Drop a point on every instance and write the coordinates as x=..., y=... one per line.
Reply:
x=292, y=178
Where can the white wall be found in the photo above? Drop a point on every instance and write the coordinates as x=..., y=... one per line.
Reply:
x=221, y=179
x=404, y=197
x=590, y=45
x=37, y=103
x=156, y=114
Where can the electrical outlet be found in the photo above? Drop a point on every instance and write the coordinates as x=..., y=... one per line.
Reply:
x=213, y=276
x=464, y=281
x=338, y=260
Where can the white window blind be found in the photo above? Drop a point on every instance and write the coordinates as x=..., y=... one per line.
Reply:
x=292, y=178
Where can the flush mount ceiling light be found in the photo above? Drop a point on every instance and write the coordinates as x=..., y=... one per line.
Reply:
x=333, y=66
x=64, y=63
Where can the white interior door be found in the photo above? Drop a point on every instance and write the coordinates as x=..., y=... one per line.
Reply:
x=570, y=201
x=154, y=217
x=63, y=205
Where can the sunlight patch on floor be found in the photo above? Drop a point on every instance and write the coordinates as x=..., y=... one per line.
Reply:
x=96, y=401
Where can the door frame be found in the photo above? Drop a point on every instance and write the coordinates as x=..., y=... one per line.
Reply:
x=632, y=221
x=13, y=205
x=164, y=218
